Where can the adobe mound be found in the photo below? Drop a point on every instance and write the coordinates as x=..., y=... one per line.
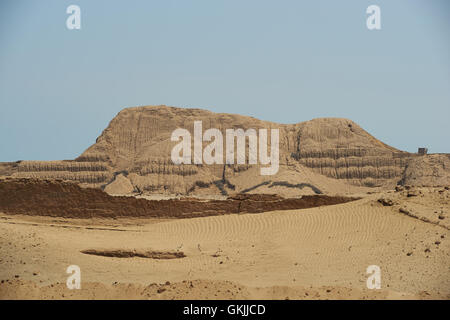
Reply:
x=330, y=155
x=428, y=170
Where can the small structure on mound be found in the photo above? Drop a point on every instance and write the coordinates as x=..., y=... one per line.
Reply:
x=422, y=151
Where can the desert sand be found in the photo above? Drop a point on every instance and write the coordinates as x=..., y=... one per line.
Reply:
x=315, y=253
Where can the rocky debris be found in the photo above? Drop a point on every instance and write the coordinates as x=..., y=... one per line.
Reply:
x=422, y=217
x=413, y=193
x=386, y=201
x=161, y=290
x=404, y=210
x=125, y=253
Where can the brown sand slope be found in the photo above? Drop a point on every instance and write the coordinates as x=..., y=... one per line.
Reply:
x=137, y=144
x=67, y=199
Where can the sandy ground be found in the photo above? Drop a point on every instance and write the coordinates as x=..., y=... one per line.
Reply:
x=317, y=253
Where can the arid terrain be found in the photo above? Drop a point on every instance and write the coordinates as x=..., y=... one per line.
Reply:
x=140, y=227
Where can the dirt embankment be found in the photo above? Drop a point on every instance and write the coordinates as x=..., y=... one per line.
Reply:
x=66, y=199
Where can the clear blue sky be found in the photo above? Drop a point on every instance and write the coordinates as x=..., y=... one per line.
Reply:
x=285, y=61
